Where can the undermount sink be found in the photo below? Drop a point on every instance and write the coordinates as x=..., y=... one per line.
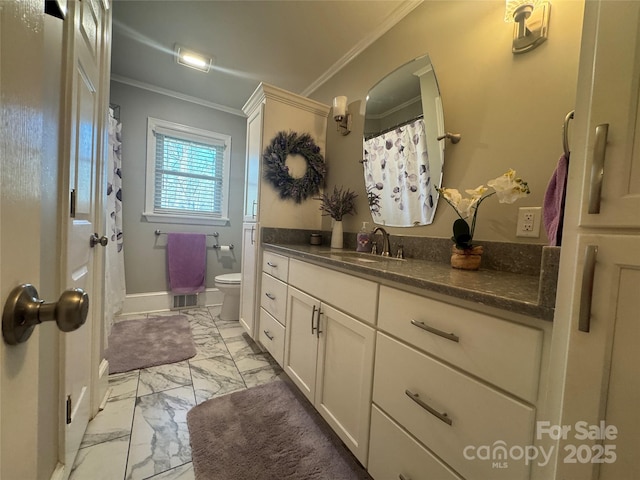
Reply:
x=361, y=256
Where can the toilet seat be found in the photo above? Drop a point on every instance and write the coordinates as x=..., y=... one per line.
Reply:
x=229, y=279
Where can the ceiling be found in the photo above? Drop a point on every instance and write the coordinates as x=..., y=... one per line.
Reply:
x=296, y=44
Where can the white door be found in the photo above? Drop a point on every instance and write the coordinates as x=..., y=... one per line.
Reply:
x=248, y=284
x=301, y=341
x=345, y=378
x=85, y=22
x=21, y=110
x=602, y=373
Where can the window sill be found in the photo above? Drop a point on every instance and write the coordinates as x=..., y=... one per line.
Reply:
x=184, y=219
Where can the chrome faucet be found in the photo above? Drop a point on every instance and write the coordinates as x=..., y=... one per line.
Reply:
x=385, y=241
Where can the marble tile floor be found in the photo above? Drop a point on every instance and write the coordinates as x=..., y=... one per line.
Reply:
x=142, y=431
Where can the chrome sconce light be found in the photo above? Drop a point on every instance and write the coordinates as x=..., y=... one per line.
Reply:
x=531, y=18
x=341, y=116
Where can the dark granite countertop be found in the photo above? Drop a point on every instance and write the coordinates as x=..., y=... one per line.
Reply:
x=514, y=292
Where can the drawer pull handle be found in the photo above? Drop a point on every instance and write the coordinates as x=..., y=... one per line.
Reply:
x=449, y=336
x=402, y=477
x=270, y=296
x=272, y=265
x=269, y=336
x=432, y=411
x=586, y=290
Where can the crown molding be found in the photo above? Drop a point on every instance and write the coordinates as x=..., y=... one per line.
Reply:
x=177, y=95
x=398, y=14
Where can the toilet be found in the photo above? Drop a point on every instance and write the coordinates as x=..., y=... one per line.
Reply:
x=229, y=285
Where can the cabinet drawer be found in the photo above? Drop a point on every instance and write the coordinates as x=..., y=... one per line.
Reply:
x=273, y=297
x=394, y=454
x=350, y=294
x=271, y=336
x=275, y=265
x=500, y=352
x=448, y=411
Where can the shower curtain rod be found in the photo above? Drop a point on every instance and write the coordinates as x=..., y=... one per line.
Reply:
x=386, y=130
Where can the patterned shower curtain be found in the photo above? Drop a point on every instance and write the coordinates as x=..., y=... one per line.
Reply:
x=114, y=256
x=396, y=169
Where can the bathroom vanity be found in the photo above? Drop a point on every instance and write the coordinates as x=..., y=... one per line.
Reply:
x=422, y=370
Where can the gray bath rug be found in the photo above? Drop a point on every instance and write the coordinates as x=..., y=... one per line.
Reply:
x=142, y=343
x=265, y=433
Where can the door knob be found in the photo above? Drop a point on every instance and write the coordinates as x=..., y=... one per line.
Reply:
x=95, y=240
x=24, y=310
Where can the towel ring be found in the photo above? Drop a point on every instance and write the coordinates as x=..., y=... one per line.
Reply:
x=565, y=133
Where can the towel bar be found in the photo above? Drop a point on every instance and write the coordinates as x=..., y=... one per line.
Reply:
x=565, y=133
x=159, y=232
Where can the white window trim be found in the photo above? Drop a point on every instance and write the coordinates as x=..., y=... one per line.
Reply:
x=197, y=134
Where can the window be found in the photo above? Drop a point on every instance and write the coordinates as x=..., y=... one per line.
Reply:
x=187, y=174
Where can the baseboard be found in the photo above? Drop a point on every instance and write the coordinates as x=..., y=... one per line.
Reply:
x=163, y=301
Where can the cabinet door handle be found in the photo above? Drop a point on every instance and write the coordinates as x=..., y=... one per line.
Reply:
x=449, y=336
x=253, y=209
x=253, y=229
x=270, y=296
x=313, y=314
x=441, y=416
x=318, y=331
x=586, y=290
x=597, y=168
x=272, y=265
x=269, y=336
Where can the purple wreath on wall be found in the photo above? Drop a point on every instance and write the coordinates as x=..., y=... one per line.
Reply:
x=277, y=173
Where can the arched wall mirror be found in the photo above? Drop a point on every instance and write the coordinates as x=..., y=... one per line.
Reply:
x=403, y=157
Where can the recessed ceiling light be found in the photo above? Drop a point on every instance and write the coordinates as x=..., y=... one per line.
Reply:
x=191, y=59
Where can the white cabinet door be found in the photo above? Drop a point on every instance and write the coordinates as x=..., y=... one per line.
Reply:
x=602, y=372
x=301, y=341
x=249, y=271
x=345, y=377
x=252, y=166
x=613, y=71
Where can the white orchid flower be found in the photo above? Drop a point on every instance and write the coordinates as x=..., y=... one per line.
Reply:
x=464, y=206
x=509, y=188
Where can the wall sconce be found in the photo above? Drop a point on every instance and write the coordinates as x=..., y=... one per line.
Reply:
x=531, y=19
x=341, y=116
x=192, y=59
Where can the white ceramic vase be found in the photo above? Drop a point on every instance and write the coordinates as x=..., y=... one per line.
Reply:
x=337, y=236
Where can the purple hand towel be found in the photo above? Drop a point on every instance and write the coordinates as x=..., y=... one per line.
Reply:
x=187, y=261
x=553, y=206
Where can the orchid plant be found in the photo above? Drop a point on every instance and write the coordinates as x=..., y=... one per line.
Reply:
x=508, y=189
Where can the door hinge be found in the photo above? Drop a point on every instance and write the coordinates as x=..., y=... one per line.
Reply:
x=72, y=204
x=68, y=409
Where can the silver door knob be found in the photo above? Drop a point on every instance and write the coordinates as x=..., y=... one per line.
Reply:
x=24, y=310
x=95, y=239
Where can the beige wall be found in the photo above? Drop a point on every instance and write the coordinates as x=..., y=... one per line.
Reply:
x=508, y=108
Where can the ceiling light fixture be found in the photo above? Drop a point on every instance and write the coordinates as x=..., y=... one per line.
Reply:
x=191, y=59
x=531, y=19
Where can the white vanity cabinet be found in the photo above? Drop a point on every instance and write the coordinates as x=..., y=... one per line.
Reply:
x=273, y=304
x=448, y=381
x=329, y=353
x=271, y=110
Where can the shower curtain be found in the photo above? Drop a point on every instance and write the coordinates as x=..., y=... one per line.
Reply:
x=114, y=256
x=396, y=169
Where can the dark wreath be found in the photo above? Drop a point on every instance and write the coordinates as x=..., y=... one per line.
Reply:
x=277, y=172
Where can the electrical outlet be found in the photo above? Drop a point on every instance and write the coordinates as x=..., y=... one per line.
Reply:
x=529, y=219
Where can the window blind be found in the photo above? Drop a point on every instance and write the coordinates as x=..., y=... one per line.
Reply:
x=189, y=176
